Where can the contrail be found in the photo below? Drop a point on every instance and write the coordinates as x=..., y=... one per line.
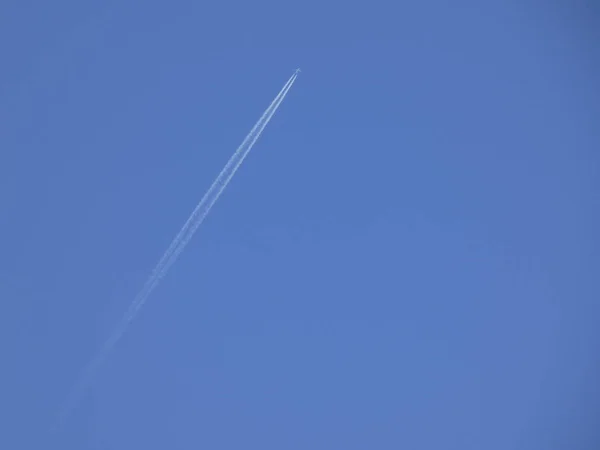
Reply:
x=156, y=273
x=208, y=193
x=215, y=195
x=177, y=246
x=194, y=226
x=221, y=175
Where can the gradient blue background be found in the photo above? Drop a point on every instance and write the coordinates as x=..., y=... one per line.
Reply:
x=409, y=258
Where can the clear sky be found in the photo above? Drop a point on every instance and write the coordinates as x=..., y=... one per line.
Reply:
x=409, y=258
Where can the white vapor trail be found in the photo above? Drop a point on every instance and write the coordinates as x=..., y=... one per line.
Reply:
x=176, y=247
x=196, y=215
x=219, y=186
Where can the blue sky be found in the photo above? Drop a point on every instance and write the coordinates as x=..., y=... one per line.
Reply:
x=409, y=257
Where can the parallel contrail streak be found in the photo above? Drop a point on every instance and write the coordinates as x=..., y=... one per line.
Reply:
x=201, y=218
x=156, y=273
x=201, y=203
x=177, y=246
x=194, y=226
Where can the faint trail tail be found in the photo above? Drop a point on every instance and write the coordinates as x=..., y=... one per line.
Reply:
x=176, y=247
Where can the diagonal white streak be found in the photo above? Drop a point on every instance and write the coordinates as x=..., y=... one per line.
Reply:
x=202, y=202
x=215, y=196
x=205, y=212
x=176, y=247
